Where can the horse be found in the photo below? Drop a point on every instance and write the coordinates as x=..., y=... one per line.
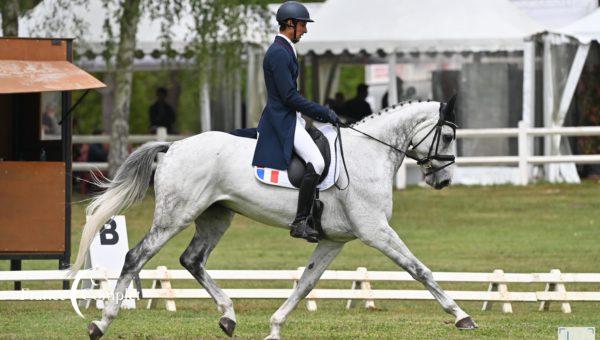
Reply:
x=207, y=178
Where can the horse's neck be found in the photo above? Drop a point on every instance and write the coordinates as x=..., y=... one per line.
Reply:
x=396, y=126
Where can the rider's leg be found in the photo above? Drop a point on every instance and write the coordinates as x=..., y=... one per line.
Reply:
x=306, y=148
x=309, y=152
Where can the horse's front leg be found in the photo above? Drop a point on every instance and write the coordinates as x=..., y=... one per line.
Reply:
x=322, y=256
x=385, y=239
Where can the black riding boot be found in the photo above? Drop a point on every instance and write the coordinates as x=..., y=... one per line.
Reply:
x=301, y=228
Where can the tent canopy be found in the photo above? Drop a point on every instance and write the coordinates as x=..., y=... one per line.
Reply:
x=585, y=29
x=418, y=26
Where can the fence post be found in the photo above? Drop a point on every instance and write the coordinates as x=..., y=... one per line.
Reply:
x=555, y=287
x=311, y=304
x=363, y=285
x=497, y=284
x=401, y=176
x=523, y=154
x=164, y=283
x=161, y=136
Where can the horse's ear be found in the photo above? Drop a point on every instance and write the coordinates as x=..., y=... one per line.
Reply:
x=448, y=110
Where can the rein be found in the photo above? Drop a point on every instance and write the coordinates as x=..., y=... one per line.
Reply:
x=425, y=162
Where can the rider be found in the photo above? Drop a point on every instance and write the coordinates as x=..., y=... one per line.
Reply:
x=281, y=128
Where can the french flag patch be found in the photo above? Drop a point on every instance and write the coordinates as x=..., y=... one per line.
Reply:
x=268, y=175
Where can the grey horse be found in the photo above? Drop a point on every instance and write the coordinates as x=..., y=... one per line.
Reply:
x=207, y=178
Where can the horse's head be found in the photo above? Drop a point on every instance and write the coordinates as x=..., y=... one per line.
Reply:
x=432, y=146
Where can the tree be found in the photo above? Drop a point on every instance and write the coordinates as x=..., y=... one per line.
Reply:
x=219, y=29
x=128, y=24
x=10, y=18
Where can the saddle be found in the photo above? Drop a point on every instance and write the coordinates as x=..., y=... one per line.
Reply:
x=324, y=136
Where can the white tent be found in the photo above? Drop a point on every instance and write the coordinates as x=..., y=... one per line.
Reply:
x=427, y=26
x=418, y=26
x=559, y=87
x=585, y=29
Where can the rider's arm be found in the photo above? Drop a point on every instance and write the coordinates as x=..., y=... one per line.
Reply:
x=286, y=88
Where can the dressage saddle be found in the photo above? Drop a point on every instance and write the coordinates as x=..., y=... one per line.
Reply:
x=297, y=166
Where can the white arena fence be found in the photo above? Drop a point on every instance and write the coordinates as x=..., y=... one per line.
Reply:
x=360, y=289
x=523, y=133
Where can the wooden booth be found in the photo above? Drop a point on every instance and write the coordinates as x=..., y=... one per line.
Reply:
x=36, y=77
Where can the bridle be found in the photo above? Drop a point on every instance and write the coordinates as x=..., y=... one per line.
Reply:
x=433, y=154
x=426, y=162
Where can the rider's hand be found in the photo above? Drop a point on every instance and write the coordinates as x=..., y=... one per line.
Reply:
x=333, y=118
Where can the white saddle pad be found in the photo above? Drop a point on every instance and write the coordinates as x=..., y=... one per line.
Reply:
x=280, y=177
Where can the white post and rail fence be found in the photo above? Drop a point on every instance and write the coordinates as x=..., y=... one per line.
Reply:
x=524, y=160
x=362, y=287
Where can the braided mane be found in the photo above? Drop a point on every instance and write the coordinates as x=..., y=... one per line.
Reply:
x=389, y=109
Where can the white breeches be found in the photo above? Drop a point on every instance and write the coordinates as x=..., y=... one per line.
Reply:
x=306, y=148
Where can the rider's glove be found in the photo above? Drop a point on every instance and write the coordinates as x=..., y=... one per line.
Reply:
x=333, y=118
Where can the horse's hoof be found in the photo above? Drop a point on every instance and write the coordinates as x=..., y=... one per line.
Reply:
x=272, y=337
x=227, y=325
x=466, y=323
x=94, y=332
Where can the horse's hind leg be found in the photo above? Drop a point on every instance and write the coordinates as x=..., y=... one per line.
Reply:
x=134, y=261
x=210, y=226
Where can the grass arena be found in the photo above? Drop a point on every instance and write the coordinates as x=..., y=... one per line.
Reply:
x=529, y=229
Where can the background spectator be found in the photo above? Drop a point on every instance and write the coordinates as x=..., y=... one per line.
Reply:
x=357, y=108
x=161, y=113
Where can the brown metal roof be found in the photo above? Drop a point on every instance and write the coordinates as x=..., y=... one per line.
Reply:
x=18, y=76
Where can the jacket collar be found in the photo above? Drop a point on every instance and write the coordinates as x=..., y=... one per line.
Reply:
x=282, y=41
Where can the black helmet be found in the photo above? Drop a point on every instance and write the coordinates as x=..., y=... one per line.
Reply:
x=293, y=10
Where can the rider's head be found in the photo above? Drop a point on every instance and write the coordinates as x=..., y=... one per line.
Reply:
x=292, y=17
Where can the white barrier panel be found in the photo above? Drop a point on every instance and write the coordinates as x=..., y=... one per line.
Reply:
x=361, y=286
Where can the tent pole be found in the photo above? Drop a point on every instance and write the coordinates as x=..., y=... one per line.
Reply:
x=548, y=103
x=528, y=117
x=401, y=175
x=392, y=88
x=568, y=171
x=251, y=94
x=237, y=93
x=315, y=78
x=529, y=83
x=330, y=77
x=205, y=103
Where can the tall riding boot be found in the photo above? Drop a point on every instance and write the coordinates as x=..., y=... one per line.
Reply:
x=301, y=228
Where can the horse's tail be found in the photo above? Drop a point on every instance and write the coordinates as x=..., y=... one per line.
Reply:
x=129, y=186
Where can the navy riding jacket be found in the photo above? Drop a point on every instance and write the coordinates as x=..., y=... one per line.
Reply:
x=277, y=124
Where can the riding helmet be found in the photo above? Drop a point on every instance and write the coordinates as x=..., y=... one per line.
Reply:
x=293, y=10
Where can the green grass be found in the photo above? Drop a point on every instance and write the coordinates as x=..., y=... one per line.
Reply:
x=517, y=229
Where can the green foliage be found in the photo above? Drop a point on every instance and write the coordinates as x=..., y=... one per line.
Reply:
x=350, y=77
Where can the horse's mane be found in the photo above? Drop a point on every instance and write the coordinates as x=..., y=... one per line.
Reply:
x=389, y=109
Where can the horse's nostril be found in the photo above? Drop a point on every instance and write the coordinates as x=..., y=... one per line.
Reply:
x=445, y=183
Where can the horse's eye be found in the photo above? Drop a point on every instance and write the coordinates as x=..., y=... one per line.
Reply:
x=447, y=138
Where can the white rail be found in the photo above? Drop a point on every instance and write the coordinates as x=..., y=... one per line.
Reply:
x=523, y=160
x=361, y=289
